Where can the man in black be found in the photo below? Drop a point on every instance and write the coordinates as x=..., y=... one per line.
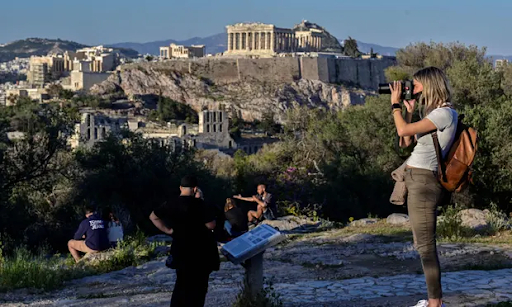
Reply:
x=91, y=236
x=194, y=249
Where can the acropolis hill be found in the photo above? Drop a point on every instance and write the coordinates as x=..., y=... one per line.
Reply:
x=264, y=68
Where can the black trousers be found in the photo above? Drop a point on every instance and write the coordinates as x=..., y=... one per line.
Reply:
x=190, y=288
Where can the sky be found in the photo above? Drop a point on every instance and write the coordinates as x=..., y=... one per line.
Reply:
x=394, y=23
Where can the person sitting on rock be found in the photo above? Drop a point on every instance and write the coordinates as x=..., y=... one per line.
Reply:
x=236, y=220
x=91, y=236
x=266, y=207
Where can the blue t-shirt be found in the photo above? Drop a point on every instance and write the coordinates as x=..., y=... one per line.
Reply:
x=95, y=232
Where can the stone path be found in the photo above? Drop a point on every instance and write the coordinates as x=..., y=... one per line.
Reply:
x=490, y=285
x=150, y=285
x=327, y=269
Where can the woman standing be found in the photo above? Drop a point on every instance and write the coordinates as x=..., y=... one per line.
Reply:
x=424, y=190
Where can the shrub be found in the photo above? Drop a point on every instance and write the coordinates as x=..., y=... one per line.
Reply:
x=496, y=220
x=266, y=298
x=26, y=270
x=450, y=224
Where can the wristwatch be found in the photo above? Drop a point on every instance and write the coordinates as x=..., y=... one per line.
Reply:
x=396, y=106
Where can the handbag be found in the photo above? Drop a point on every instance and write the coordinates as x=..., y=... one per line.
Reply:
x=115, y=232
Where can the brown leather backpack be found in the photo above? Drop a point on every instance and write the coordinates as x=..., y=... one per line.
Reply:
x=454, y=173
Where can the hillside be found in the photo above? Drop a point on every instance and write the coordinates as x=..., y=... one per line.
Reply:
x=42, y=46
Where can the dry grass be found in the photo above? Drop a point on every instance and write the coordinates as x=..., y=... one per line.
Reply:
x=401, y=233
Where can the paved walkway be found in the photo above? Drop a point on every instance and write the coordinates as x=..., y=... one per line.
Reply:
x=150, y=285
x=492, y=286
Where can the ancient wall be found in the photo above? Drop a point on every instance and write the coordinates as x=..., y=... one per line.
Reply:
x=270, y=69
x=366, y=73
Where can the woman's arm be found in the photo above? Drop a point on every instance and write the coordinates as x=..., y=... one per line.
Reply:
x=404, y=128
x=406, y=141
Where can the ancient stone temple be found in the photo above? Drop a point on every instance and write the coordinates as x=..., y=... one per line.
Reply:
x=258, y=39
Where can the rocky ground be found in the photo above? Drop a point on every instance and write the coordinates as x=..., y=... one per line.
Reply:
x=372, y=265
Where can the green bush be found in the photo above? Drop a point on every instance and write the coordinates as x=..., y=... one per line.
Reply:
x=449, y=225
x=496, y=220
x=266, y=298
x=25, y=270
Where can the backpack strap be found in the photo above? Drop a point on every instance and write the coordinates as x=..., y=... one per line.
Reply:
x=440, y=165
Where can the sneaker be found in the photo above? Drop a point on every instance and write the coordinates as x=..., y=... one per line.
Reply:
x=424, y=303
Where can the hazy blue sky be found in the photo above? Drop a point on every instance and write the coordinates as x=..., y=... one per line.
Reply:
x=390, y=23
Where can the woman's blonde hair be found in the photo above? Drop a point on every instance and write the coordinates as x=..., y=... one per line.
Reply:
x=436, y=89
x=230, y=203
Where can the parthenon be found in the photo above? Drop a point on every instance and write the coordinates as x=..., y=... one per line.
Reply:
x=266, y=40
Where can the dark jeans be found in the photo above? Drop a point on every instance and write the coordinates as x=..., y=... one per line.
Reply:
x=190, y=288
x=424, y=195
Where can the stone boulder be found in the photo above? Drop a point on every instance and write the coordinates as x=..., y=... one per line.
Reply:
x=162, y=250
x=292, y=223
x=473, y=218
x=93, y=258
x=159, y=238
x=364, y=222
x=397, y=219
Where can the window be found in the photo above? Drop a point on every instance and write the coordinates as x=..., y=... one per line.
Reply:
x=95, y=133
x=214, y=116
x=214, y=128
x=220, y=117
x=207, y=117
x=207, y=128
x=88, y=120
x=184, y=130
x=230, y=144
x=103, y=132
x=220, y=128
x=88, y=134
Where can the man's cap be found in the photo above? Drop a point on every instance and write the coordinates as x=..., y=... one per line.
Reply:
x=189, y=182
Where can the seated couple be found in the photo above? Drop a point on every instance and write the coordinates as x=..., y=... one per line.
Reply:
x=266, y=208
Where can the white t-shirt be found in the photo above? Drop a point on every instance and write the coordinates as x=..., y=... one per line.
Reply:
x=424, y=154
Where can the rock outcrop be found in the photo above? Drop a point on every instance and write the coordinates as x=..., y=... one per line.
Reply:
x=248, y=99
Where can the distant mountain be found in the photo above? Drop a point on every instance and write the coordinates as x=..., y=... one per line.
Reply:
x=214, y=44
x=366, y=48
x=43, y=46
x=217, y=43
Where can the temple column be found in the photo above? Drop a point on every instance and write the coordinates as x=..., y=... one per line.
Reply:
x=253, y=40
x=247, y=41
x=272, y=41
x=229, y=41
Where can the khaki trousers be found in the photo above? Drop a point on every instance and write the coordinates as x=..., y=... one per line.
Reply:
x=424, y=196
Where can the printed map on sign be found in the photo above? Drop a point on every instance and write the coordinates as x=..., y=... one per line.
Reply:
x=252, y=243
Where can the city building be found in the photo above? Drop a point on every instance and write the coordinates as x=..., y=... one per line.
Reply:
x=98, y=59
x=38, y=74
x=84, y=80
x=182, y=52
x=500, y=63
x=258, y=39
x=3, y=98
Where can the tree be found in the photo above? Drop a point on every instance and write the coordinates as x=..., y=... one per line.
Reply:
x=149, y=58
x=350, y=48
x=268, y=124
x=168, y=109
